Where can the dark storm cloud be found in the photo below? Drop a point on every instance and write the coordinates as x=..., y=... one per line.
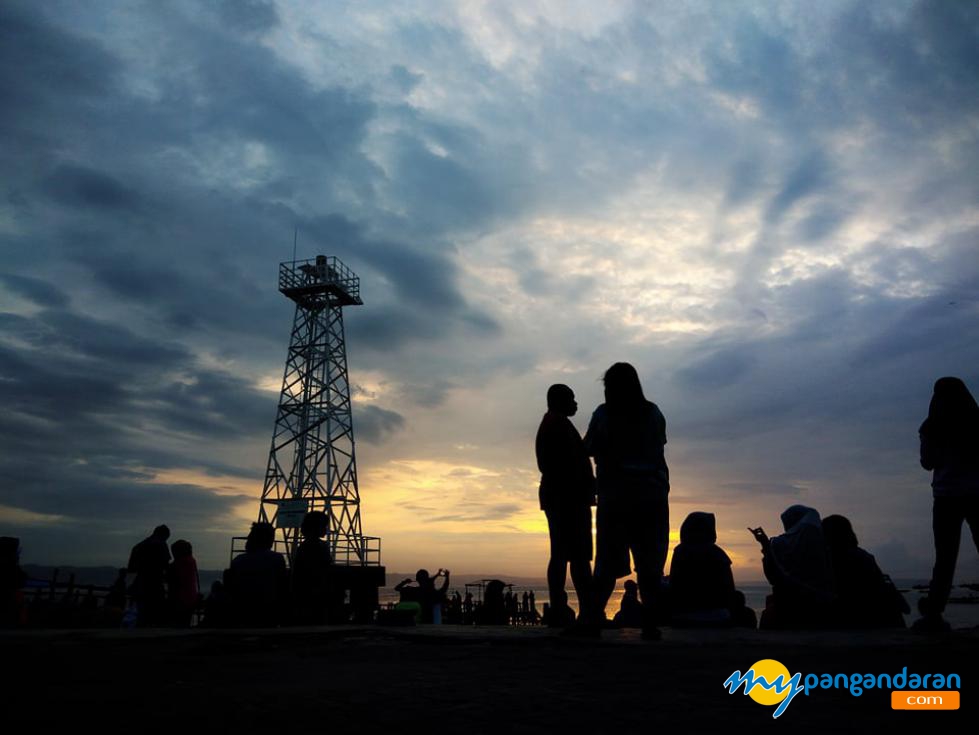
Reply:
x=249, y=15
x=722, y=368
x=51, y=62
x=78, y=186
x=375, y=424
x=807, y=177
x=40, y=292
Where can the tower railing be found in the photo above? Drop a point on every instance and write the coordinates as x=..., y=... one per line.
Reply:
x=324, y=275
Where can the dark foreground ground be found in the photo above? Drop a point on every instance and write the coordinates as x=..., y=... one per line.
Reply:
x=458, y=680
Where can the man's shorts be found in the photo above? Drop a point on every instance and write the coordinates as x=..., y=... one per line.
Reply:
x=570, y=530
x=637, y=520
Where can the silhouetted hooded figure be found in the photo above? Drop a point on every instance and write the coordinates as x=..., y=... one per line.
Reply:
x=866, y=597
x=12, y=578
x=701, y=582
x=149, y=560
x=796, y=564
x=311, y=572
x=627, y=437
x=950, y=449
x=258, y=581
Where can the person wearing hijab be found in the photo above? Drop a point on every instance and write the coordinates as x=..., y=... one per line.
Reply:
x=950, y=450
x=627, y=438
x=797, y=566
x=701, y=582
x=183, y=583
x=866, y=597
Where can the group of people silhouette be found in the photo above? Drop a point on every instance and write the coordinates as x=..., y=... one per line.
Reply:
x=166, y=590
x=820, y=576
x=257, y=590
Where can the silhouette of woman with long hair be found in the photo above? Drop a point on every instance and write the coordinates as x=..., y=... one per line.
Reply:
x=627, y=436
x=950, y=449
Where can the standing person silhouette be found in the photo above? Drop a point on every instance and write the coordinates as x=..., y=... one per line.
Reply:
x=627, y=437
x=950, y=449
x=567, y=492
x=149, y=559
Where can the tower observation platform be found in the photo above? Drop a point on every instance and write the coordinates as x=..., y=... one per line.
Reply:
x=312, y=463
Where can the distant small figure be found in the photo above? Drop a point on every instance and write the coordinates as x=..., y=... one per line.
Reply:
x=950, y=449
x=258, y=581
x=630, y=608
x=184, y=583
x=797, y=565
x=12, y=578
x=567, y=492
x=425, y=593
x=866, y=597
x=311, y=593
x=701, y=582
x=149, y=560
x=467, y=607
x=627, y=437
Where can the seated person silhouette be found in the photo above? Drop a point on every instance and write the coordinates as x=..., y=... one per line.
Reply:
x=630, y=608
x=865, y=596
x=797, y=565
x=311, y=572
x=258, y=581
x=701, y=582
x=567, y=492
x=744, y=616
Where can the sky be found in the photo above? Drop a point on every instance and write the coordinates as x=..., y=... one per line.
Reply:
x=771, y=209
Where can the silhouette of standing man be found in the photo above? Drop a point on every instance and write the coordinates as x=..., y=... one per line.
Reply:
x=567, y=492
x=149, y=559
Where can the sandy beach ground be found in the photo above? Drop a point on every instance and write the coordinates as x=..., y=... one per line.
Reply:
x=458, y=679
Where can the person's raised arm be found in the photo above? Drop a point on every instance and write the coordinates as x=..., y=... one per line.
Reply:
x=445, y=584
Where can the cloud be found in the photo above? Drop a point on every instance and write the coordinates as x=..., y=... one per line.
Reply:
x=375, y=424
x=40, y=292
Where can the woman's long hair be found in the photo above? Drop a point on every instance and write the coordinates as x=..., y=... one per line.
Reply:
x=953, y=416
x=626, y=405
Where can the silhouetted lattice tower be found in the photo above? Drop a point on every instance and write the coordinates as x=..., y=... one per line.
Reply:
x=312, y=463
